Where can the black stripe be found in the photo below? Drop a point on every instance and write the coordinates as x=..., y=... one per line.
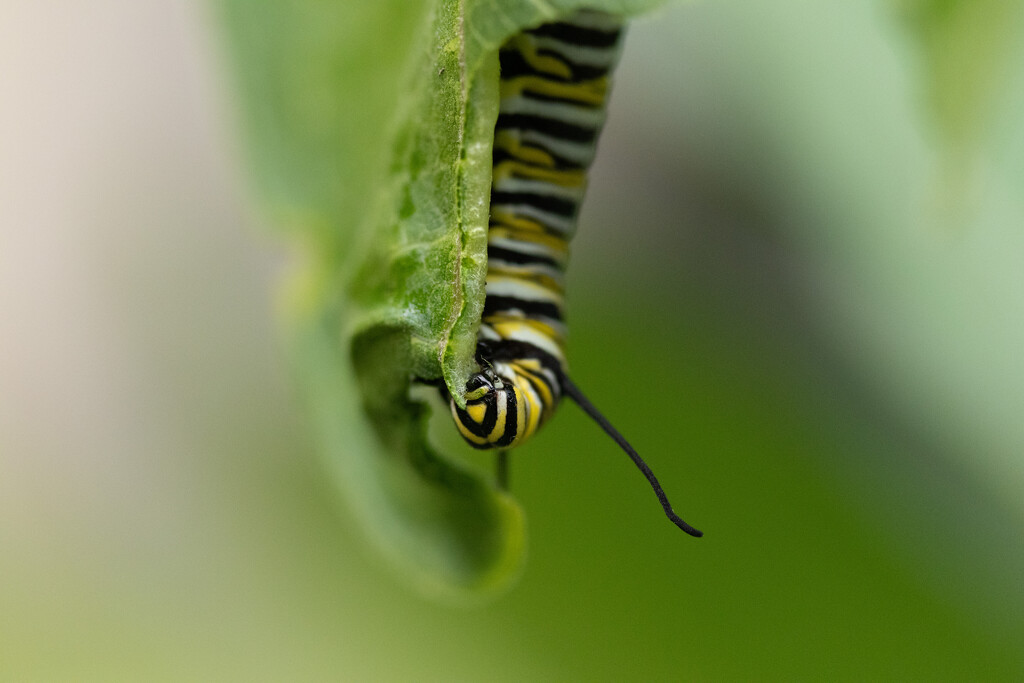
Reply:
x=531, y=94
x=479, y=446
x=511, y=419
x=511, y=350
x=482, y=429
x=557, y=205
x=547, y=126
x=491, y=416
x=532, y=309
x=520, y=258
x=514, y=65
x=577, y=35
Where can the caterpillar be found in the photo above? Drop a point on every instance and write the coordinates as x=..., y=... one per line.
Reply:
x=553, y=89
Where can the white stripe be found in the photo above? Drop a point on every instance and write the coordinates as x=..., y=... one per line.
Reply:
x=502, y=407
x=560, y=224
x=541, y=187
x=602, y=57
x=524, y=290
x=573, y=114
x=487, y=332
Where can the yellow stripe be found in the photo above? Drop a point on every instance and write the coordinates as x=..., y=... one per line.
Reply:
x=543, y=63
x=589, y=93
x=538, y=381
x=524, y=273
x=532, y=155
x=468, y=435
x=477, y=412
x=522, y=228
x=517, y=222
x=509, y=327
x=521, y=169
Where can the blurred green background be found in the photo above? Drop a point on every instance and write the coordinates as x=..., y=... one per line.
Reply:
x=796, y=288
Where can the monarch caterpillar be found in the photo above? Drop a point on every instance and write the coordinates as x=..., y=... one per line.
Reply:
x=554, y=83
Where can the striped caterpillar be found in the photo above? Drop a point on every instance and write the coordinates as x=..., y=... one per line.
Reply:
x=554, y=85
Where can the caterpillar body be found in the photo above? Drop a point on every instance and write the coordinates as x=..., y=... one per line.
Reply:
x=553, y=89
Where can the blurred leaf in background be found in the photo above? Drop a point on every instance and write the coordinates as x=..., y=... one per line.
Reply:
x=839, y=373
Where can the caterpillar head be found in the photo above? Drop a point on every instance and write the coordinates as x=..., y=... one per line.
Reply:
x=491, y=418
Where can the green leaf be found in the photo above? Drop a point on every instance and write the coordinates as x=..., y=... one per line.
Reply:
x=397, y=295
x=968, y=48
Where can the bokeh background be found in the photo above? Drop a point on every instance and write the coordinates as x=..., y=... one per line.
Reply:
x=796, y=288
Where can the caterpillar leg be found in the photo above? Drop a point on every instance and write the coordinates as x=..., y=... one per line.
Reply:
x=502, y=473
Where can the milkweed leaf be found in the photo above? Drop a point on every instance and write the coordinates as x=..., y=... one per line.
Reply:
x=383, y=302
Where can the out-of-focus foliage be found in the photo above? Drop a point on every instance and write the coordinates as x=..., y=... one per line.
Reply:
x=967, y=51
x=319, y=86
